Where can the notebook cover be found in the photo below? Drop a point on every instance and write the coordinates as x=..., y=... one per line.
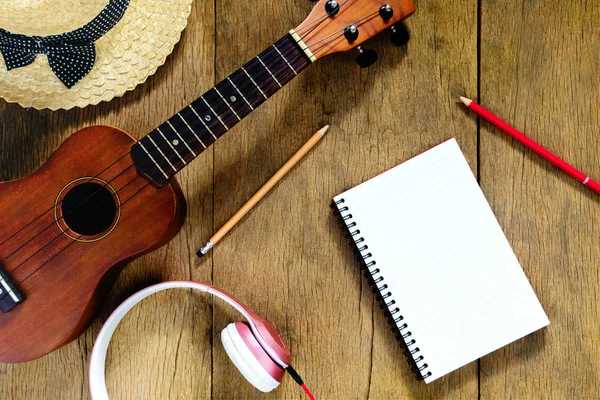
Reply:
x=453, y=287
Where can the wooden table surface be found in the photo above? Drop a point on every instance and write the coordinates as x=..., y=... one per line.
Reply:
x=534, y=63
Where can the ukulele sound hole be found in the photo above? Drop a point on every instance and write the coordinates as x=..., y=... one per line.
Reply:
x=89, y=209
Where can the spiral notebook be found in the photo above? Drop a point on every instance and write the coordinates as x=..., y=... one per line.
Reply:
x=453, y=287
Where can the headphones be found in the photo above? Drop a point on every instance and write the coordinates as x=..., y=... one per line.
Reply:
x=255, y=347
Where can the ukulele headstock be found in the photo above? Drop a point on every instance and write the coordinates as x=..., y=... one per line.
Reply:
x=340, y=25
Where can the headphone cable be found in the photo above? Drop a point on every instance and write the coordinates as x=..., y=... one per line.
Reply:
x=295, y=376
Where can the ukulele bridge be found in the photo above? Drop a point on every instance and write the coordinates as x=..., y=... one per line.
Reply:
x=10, y=296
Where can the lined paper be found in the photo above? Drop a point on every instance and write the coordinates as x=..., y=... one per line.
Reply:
x=445, y=259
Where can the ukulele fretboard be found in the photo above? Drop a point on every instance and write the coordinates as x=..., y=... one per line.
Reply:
x=180, y=139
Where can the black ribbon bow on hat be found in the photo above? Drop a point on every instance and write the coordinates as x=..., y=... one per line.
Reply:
x=71, y=55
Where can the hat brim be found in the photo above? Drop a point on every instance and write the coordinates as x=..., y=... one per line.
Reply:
x=125, y=56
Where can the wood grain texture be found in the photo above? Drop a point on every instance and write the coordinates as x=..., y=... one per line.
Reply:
x=299, y=271
x=146, y=346
x=539, y=71
x=288, y=260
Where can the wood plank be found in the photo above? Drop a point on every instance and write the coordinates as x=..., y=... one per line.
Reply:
x=539, y=71
x=287, y=258
x=163, y=349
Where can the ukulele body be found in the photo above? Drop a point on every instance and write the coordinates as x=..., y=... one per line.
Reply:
x=68, y=229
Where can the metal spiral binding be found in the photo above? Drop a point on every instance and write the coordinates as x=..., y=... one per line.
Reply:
x=383, y=296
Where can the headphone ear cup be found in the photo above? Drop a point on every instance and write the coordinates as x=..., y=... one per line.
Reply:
x=250, y=358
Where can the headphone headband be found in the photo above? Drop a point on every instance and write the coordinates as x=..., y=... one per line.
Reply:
x=264, y=332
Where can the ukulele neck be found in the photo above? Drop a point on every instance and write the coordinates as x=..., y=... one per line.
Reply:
x=171, y=146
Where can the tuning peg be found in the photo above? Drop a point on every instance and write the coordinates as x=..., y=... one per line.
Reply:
x=332, y=7
x=351, y=33
x=386, y=12
x=366, y=57
x=400, y=35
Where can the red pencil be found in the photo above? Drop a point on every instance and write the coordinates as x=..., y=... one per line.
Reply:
x=536, y=147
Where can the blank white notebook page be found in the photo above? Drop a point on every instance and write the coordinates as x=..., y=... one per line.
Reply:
x=444, y=259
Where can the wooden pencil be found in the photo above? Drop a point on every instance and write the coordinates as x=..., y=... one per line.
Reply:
x=262, y=191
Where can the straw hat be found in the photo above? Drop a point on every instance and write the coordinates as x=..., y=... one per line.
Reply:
x=125, y=56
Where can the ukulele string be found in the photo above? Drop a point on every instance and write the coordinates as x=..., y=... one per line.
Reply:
x=339, y=33
x=174, y=161
x=61, y=233
x=75, y=241
x=296, y=58
x=66, y=214
x=63, y=249
x=93, y=194
x=72, y=242
x=51, y=208
x=319, y=20
x=291, y=55
x=22, y=246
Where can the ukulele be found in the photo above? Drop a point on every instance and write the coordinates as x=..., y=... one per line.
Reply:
x=104, y=199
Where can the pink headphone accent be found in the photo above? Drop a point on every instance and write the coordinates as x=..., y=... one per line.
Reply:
x=254, y=346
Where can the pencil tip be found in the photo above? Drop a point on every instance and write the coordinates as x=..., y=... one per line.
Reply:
x=465, y=100
x=321, y=132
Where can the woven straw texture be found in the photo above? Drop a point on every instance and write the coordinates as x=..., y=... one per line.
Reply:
x=125, y=57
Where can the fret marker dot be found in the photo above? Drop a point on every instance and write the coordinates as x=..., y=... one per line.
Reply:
x=175, y=142
x=233, y=99
x=207, y=118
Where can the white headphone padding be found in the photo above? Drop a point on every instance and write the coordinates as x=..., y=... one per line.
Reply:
x=237, y=351
x=244, y=360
